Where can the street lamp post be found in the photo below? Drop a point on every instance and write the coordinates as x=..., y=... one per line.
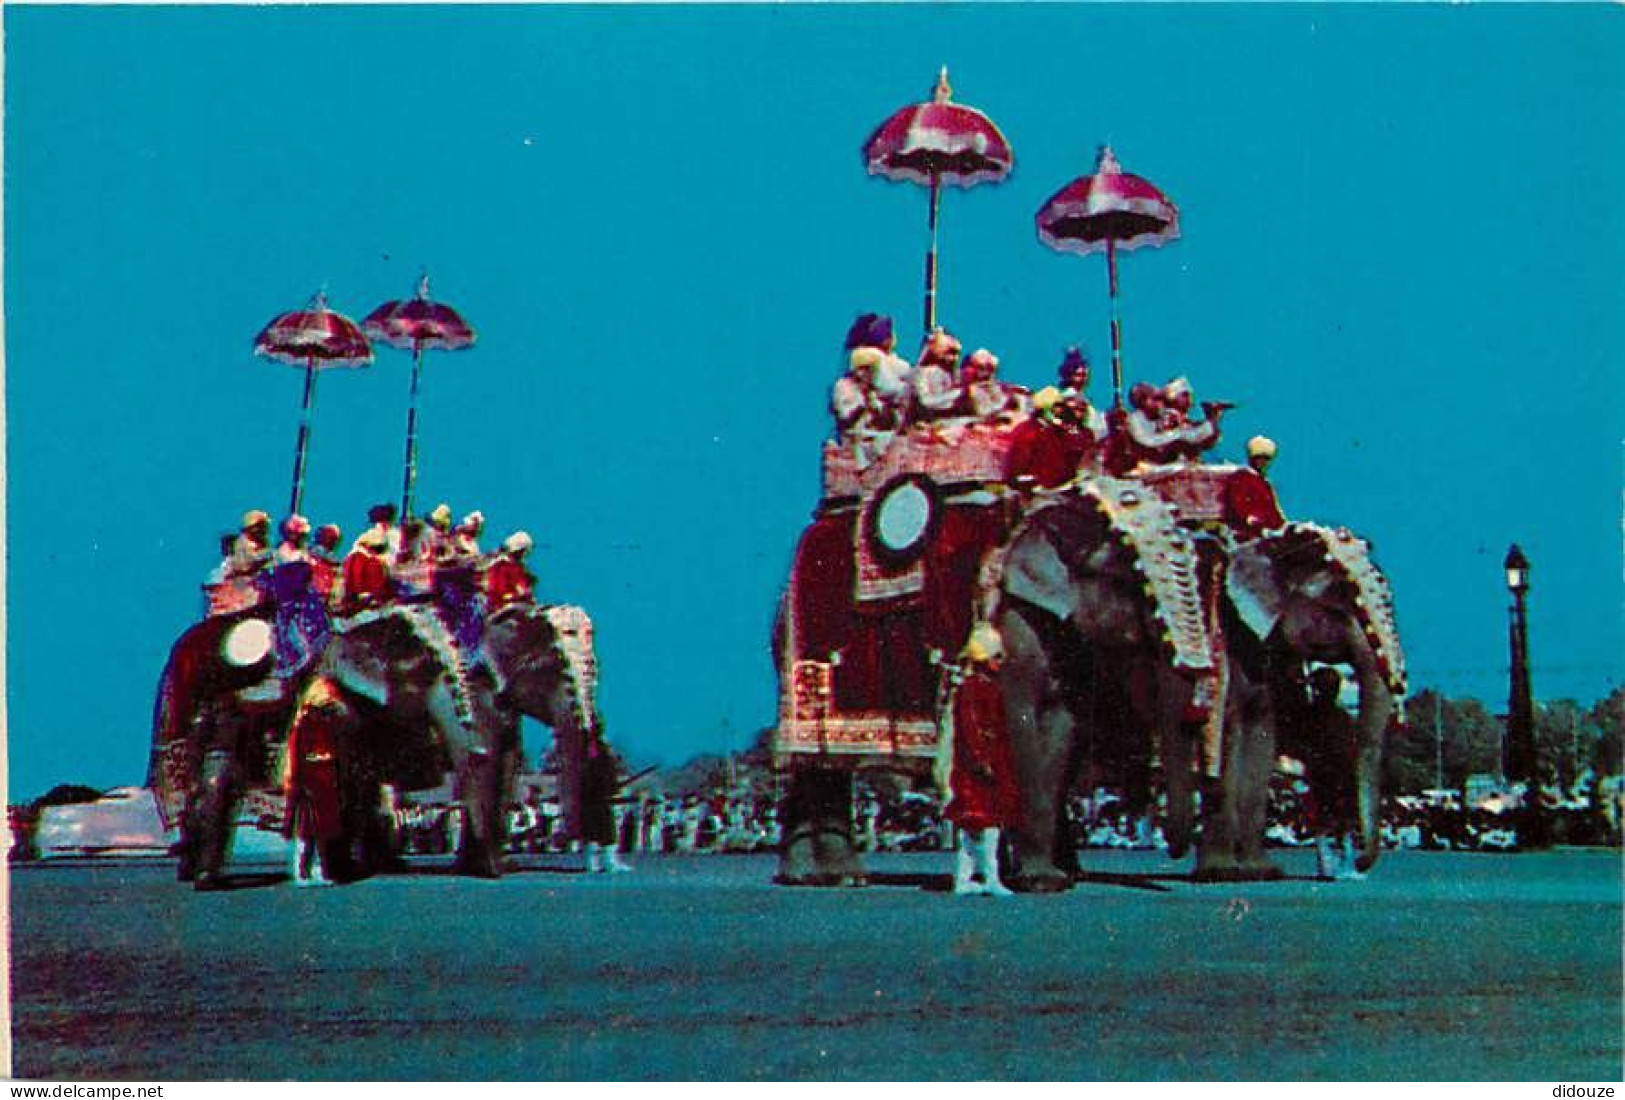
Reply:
x=1520, y=760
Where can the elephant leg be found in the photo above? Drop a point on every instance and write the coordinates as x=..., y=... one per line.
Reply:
x=818, y=849
x=1252, y=806
x=1216, y=847
x=211, y=816
x=1232, y=846
x=1042, y=759
x=1176, y=745
x=477, y=783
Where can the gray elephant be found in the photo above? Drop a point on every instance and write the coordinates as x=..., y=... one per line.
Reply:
x=220, y=712
x=1104, y=628
x=544, y=667
x=1305, y=593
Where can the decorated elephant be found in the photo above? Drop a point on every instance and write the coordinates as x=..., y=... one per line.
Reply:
x=1306, y=593
x=544, y=668
x=221, y=712
x=1102, y=616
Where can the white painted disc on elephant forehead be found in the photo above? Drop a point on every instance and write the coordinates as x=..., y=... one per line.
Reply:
x=247, y=642
x=904, y=516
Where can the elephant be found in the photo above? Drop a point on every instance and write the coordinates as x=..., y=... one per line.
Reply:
x=543, y=667
x=1303, y=593
x=220, y=709
x=1104, y=628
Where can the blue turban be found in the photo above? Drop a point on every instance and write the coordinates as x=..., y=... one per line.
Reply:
x=870, y=330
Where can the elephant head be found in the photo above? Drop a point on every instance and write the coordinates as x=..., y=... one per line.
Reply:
x=543, y=658
x=1304, y=593
x=1102, y=617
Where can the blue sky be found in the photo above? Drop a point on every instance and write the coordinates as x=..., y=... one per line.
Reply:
x=1402, y=236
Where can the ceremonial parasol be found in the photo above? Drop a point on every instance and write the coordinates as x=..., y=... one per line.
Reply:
x=308, y=338
x=1105, y=212
x=417, y=323
x=935, y=143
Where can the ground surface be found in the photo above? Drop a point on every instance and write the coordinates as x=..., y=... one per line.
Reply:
x=1440, y=966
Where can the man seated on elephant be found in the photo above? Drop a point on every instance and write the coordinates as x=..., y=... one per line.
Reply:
x=324, y=561
x=1073, y=376
x=1250, y=506
x=985, y=397
x=936, y=392
x=299, y=622
x=983, y=798
x=507, y=579
x=414, y=566
x=865, y=420
x=1048, y=448
x=365, y=583
x=251, y=550
x=439, y=533
x=1191, y=437
x=457, y=600
x=381, y=520
x=465, y=540
x=1136, y=435
x=221, y=594
x=891, y=372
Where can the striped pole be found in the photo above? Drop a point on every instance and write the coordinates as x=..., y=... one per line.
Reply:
x=1117, y=326
x=411, y=474
x=931, y=258
x=304, y=438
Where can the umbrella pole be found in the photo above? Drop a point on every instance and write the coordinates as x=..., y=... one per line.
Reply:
x=1117, y=326
x=931, y=257
x=411, y=434
x=304, y=438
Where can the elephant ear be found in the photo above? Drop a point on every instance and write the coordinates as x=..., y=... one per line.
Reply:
x=1253, y=590
x=1036, y=573
x=359, y=668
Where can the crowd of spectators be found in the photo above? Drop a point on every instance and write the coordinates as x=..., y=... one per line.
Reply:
x=888, y=819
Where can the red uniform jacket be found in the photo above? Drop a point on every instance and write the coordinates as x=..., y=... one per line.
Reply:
x=506, y=581
x=323, y=572
x=1046, y=452
x=312, y=788
x=984, y=792
x=366, y=582
x=1250, y=507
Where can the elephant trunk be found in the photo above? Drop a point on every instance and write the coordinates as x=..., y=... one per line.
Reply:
x=1376, y=708
x=570, y=733
x=1177, y=749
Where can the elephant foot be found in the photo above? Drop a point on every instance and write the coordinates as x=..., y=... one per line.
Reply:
x=477, y=868
x=205, y=882
x=1238, y=872
x=811, y=878
x=1042, y=882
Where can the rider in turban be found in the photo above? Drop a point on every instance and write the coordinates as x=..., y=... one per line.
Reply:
x=507, y=579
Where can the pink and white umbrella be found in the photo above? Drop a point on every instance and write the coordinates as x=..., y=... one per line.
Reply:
x=1107, y=212
x=417, y=323
x=934, y=143
x=308, y=338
